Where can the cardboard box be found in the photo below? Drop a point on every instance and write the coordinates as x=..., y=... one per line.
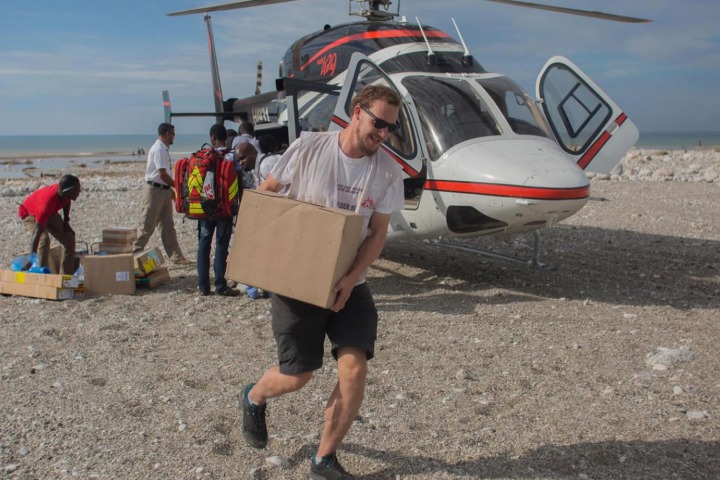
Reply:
x=157, y=277
x=48, y=280
x=109, y=274
x=36, y=291
x=120, y=235
x=55, y=259
x=149, y=260
x=113, y=248
x=293, y=248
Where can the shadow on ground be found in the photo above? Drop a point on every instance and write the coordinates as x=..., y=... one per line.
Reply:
x=611, y=266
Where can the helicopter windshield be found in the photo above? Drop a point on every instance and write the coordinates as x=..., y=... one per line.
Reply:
x=520, y=111
x=450, y=112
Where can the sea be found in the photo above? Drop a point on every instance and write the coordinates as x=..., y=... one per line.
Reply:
x=23, y=156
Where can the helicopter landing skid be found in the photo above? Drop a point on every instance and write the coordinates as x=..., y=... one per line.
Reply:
x=534, y=261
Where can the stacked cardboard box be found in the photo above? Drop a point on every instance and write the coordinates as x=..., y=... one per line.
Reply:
x=37, y=285
x=113, y=274
x=157, y=277
x=118, y=240
x=149, y=269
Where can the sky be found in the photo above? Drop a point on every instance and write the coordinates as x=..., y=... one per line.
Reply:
x=99, y=67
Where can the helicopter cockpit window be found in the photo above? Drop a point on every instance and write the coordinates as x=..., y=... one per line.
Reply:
x=520, y=111
x=401, y=141
x=451, y=112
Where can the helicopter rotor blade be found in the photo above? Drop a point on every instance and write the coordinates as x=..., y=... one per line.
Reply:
x=574, y=11
x=228, y=6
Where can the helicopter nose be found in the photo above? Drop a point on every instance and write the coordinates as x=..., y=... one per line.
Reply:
x=526, y=164
x=508, y=185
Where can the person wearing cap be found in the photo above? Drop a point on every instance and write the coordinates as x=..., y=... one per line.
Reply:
x=158, y=198
x=39, y=213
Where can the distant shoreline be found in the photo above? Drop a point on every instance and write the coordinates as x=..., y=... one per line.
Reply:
x=29, y=158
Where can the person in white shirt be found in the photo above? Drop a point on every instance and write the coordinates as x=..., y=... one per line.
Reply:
x=158, y=195
x=346, y=170
x=268, y=157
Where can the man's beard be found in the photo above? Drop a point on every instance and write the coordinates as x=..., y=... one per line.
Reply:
x=367, y=151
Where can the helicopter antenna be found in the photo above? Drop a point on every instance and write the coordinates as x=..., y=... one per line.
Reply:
x=467, y=56
x=431, y=59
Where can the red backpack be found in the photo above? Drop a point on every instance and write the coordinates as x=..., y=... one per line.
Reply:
x=206, y=185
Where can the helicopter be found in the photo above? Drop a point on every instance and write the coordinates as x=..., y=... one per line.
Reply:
x=480, y=156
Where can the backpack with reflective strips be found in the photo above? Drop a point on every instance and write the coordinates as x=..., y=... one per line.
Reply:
x=206, y=185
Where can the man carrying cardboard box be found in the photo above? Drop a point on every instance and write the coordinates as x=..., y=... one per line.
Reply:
x=39, y=213
x=341, y=170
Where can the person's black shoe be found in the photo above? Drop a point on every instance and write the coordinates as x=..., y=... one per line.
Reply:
x=228, y=292
x=254, y=426
x=328, y=468
x=204, y=293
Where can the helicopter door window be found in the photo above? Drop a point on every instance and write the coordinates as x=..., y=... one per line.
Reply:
x=401, y=141
x=576, y=112
x=518, y=108
x=315, y=110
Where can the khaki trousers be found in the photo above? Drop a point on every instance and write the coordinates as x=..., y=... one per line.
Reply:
x=158, y=211
x=54, y=227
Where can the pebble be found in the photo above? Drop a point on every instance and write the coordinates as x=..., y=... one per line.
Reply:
x=666, y=357
x=278, y=461
x=697, y=415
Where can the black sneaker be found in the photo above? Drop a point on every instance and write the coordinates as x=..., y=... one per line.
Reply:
x=329, y=468
x=254, y=427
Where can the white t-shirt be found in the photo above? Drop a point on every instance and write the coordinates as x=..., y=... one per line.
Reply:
x=350, y=180
x=265, y=164
x=158, y=157
x=311, y=167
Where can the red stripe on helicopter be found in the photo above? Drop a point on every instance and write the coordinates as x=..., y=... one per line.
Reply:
x=372, y=36
x=405, y=166
x=496, y=190
x=595, y=148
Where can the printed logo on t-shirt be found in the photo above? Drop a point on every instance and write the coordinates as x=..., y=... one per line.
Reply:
x=347, y=196
x=368, y=203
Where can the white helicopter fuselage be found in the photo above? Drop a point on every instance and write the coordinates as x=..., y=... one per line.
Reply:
x=494, y=186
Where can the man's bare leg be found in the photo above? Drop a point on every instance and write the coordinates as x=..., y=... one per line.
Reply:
x=346, y=399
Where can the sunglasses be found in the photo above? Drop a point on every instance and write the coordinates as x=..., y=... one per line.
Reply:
x=379, y=123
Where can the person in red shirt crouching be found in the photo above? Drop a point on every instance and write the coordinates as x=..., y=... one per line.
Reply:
x=39, y=213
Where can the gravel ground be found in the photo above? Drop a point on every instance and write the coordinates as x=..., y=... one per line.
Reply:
x=604, y=368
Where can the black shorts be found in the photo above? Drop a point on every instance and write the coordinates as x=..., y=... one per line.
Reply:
x=300, y=329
